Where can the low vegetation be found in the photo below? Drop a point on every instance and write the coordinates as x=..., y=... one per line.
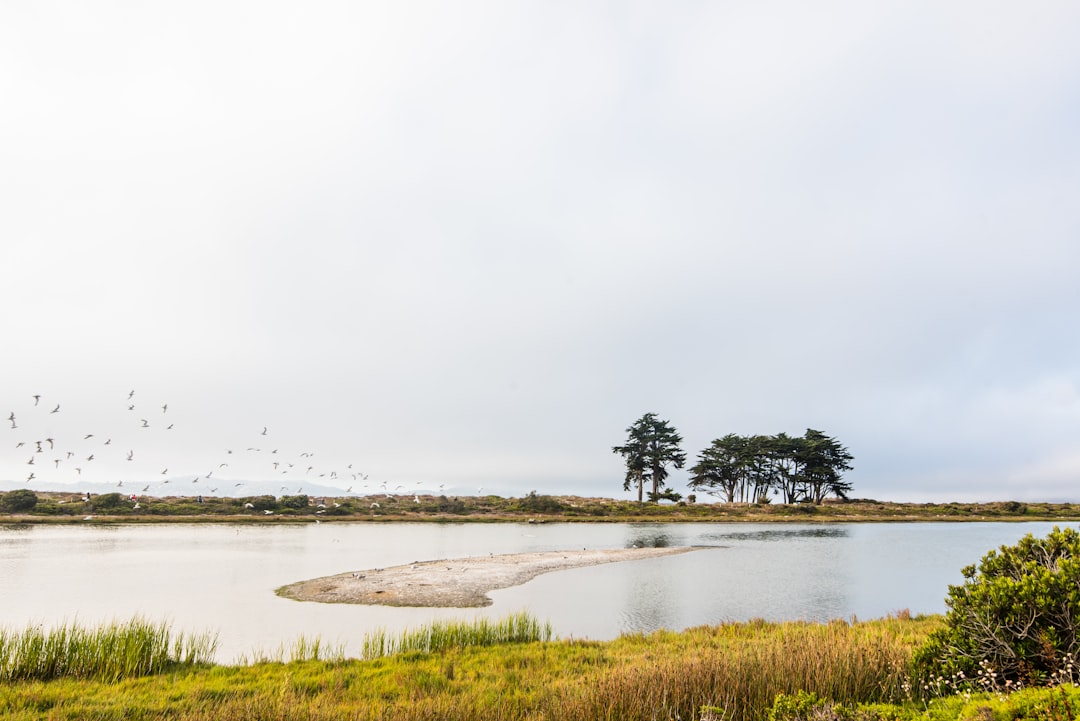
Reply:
x=107, y=653
x=22, y=506
x=735, y=667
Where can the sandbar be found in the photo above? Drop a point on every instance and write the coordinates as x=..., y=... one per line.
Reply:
x=455, y=583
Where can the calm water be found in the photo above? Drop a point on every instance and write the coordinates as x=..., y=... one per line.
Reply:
x=218, y=577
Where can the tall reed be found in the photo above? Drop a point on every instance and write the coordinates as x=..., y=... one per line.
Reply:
x=106, y=653
x=443, y=635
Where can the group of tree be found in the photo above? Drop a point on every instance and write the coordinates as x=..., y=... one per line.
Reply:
x=751, y=469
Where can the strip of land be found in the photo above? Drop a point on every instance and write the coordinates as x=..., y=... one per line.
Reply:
x=456, y=583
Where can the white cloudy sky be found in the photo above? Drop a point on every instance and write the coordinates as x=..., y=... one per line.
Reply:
x=469, y=243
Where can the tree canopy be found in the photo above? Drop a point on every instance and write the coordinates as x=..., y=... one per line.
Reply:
x=651, y=446
x=753, y=468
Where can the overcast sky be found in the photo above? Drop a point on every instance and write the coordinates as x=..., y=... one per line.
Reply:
x=469, y=243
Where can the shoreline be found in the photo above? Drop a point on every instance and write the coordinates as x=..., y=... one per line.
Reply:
x=455, y=583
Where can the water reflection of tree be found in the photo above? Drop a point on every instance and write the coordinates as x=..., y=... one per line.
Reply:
x=649, y=538
x=785, y=534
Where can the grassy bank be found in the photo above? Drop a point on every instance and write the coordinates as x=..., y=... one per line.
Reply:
x=114, y=508
x=106, y=653
x=738, y=668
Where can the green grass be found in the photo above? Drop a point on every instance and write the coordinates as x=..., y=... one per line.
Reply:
x=480, y=673
x=106, y=653
x=440, y=636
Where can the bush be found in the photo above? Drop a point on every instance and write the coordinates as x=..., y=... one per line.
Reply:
x=260, y=503
x=1014, y=619
x=21, y=499
x=540, y=504
x=108, y=501
x=298, y=502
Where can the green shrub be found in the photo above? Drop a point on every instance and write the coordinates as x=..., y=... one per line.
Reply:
x=260, y=503
x=1014, y=620
x=21, y=499
x=540, y=504
x=107, y=501
x=296, y=502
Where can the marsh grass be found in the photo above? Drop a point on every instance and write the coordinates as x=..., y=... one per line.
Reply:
x=105, y=653
x=443, y=635
x=731, y=672
x=302, y=649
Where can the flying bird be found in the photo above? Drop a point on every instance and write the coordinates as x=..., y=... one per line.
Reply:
x=50, y=442
x=165, y=408
x=36, y=399
x=264, y=431
x=145, y=423
x=55, y=410
x=131, y=455
x=130, y=395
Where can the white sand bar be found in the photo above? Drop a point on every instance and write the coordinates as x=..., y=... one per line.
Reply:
x=456, y=583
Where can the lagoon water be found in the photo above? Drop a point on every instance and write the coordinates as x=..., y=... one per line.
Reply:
x=222, y=577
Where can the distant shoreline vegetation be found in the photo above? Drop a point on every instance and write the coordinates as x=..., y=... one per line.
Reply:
x=26, y=506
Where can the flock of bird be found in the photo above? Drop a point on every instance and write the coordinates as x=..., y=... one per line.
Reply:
x=52, y=455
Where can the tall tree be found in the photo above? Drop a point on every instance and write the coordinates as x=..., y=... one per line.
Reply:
x=652, y=445
x=750, y=468
x=719, y=468
x=823, y=462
